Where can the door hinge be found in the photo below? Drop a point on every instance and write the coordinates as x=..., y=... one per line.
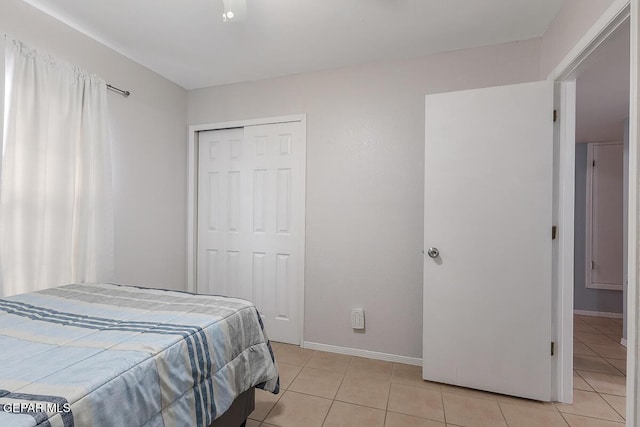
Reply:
x=555, y=115
x=593, y=265
x=553, y=348
x=554, y=232
x=593, y=164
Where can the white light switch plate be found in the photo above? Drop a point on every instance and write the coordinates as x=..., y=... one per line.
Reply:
x=357, y=318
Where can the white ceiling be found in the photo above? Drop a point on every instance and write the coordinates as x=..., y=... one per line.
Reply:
x=602, y=90
x=187, y=42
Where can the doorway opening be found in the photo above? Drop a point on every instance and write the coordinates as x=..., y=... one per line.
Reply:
x=600, y=226
x=613, y=23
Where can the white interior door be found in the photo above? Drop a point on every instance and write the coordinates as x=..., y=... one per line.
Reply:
x=251, y=220
x=605, y=241
x=220, y=241
x=488, y=210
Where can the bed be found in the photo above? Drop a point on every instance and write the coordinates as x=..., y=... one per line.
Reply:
x=113, y=355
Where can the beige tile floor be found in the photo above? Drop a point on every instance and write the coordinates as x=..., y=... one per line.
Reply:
x=331, y=390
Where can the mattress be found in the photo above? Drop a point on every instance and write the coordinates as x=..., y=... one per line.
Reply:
x=113, y=355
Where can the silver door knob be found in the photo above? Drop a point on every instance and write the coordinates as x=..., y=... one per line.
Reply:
x=433, y=252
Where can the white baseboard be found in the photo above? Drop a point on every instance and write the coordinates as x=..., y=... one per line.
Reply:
x=363, y=353
x=598, y=314
x=623, y=342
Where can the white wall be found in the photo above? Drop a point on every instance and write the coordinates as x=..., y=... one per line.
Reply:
x=149, y=149
x=572, y=22
x=365, y=164
x=365, y=171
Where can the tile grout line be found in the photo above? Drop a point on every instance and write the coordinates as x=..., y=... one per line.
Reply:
x=611, y=406
x=283, y=393
x=605, y=358
x=421, y=418
x=294, y=377
x=393, y=369
x=358, y=404
x=597, y=355
x=269, y=412
x=344, y=375
x=324, y=420
x=444, y=411
x=593, y=418
x=564, y=419
x=586, y=382
x=386, y=408
x=600, y=372
x=502, y=413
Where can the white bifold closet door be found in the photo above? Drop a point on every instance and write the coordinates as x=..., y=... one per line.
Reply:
x=251, y=220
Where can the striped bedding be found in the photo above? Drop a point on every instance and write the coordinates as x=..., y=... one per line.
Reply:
x=112, y=355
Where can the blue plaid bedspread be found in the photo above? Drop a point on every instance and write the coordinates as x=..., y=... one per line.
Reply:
x=111, y=355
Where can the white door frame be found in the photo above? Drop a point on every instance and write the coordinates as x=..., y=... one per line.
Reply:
x=563, y=74
x=192, y=196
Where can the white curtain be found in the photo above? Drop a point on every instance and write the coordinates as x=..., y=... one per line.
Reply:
x=56, y=216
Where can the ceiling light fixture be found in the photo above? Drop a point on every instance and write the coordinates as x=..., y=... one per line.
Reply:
x=234, y=10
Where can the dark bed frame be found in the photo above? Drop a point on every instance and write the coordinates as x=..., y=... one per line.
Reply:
x=237, y=414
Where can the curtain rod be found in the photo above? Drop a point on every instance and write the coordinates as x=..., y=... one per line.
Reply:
x=124, y=93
